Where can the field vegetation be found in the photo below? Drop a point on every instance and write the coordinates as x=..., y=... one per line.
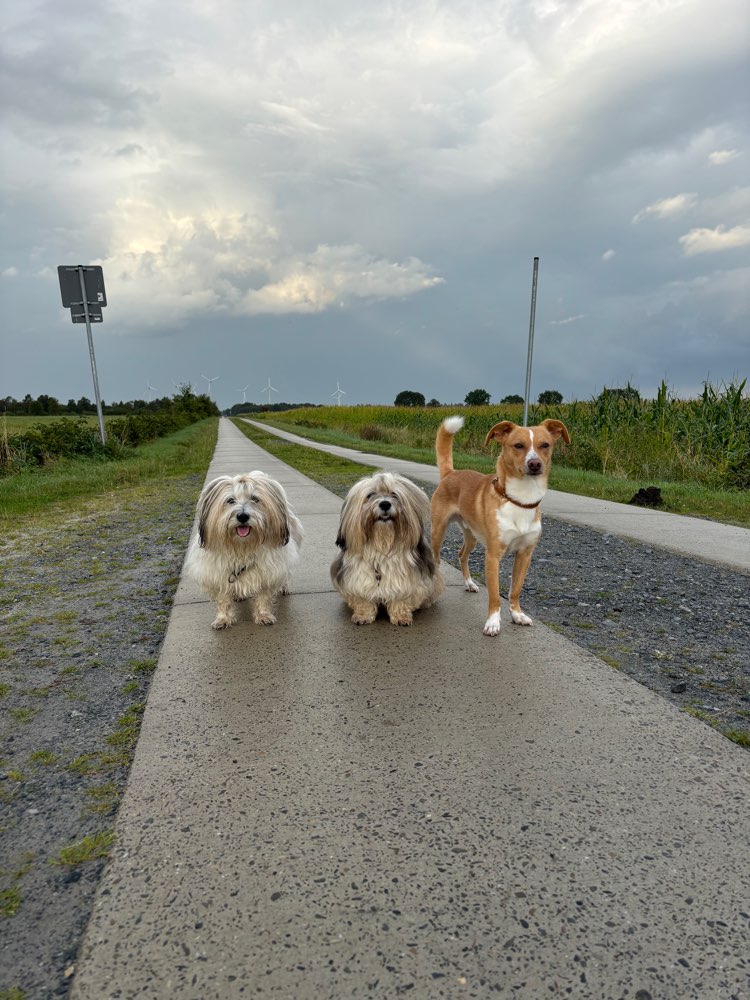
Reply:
x=28, y=443
x=67, y=480
x=696, y=451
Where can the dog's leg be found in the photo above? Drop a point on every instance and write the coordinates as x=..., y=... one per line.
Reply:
x=399, y=613
x=363, y=612
x=438, y=525
x=263, y=608
x=521, y=564
x=225, y=612
x=463, y=557
x=492, y=559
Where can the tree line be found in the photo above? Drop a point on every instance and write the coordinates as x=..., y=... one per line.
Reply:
x=49, y=406
x=477, y=397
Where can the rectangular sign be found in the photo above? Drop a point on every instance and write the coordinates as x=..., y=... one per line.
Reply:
x=79, y=316
x=70, y=285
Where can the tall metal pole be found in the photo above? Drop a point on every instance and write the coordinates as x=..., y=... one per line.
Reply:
x=84, y=298
x=531, y=343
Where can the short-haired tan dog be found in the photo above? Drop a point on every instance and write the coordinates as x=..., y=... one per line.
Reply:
x=501, y=511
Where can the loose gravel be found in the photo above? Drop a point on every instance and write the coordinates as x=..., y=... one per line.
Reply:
x=84, y=608
x=84, y=605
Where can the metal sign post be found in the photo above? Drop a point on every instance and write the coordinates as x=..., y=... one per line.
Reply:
x=82, y=290
x=531, y=343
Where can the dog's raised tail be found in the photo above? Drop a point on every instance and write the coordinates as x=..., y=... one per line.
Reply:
x=444, y=444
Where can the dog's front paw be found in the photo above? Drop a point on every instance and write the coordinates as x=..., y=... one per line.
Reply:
x=264, y=618
x=362, y=619
x=519, y=618
x=401, y=617
x=221, y=621
x=492, y=625
x=470, y=586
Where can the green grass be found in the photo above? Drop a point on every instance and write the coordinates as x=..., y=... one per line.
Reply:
x=89, y=849
x=683, y=497
x=19, y=425
x=10, y=901
x=336, y=474
x=67, y=481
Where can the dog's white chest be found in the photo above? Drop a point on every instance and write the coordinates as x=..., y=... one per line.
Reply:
x=518, y=527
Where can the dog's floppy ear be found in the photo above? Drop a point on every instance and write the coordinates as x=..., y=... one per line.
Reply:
x=557, y=429
x=205, y=502
x=341, y=541
x=280, y=510
x=499, y=432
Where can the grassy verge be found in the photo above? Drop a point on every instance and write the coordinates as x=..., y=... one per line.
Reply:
x=728, y=506
x=335, y=474
x=187, y=450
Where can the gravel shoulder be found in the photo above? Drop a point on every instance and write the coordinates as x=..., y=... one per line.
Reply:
x=84, y=607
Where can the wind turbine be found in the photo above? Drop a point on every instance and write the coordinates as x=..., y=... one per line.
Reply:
x=269, y=389
x=244, y=393
x=210, y=380
x=151, y=388
x=338, y=394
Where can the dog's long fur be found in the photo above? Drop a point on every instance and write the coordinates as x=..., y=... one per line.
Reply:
x=385, y=558
x=501, y=511
x=248, y=539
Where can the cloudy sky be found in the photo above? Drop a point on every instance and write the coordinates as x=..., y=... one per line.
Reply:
x=312, y=193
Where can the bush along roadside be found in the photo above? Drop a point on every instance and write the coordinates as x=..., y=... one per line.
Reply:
x=43, y=443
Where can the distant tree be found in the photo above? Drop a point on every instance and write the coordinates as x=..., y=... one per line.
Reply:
x=434, y=402
x=70, y=406
x=84, y=405
x=550, y=397
x=629, y=393
x=477, y=397
x=512, y=399
x=409, y=398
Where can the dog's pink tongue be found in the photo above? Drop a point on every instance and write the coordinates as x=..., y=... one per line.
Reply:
x=243, y=530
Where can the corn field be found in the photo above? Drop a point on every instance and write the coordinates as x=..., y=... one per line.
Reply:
x=704, y=440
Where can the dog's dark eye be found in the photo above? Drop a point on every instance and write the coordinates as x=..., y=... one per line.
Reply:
x=231, y=500
x=544, y=444
x=518, y=446
x=255, y=499
x=369, y=496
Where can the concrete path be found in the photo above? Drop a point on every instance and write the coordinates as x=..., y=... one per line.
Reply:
x=322, y=810
x=725, y=544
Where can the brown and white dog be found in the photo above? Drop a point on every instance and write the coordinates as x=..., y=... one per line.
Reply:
x=501, y=511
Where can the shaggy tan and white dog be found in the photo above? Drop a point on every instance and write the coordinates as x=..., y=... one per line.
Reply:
x=248, y=539
x=385, y=558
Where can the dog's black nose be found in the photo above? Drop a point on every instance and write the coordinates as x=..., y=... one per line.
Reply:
x=385, y=505
x=243, y=518
x=534, y=466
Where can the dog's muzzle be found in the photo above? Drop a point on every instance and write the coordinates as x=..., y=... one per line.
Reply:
x=386, y=511
x=243, y=528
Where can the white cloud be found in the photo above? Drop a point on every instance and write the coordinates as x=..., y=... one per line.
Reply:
x=168, y=269
x=710, y=240
x=722, y=156
x=9, y=272
x=609, y=254
x=668, y=207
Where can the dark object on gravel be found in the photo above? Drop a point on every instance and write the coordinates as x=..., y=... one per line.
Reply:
x=648, y=497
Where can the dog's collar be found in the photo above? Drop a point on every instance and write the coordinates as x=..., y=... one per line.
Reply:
x=236, y=573
x=501, y=492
